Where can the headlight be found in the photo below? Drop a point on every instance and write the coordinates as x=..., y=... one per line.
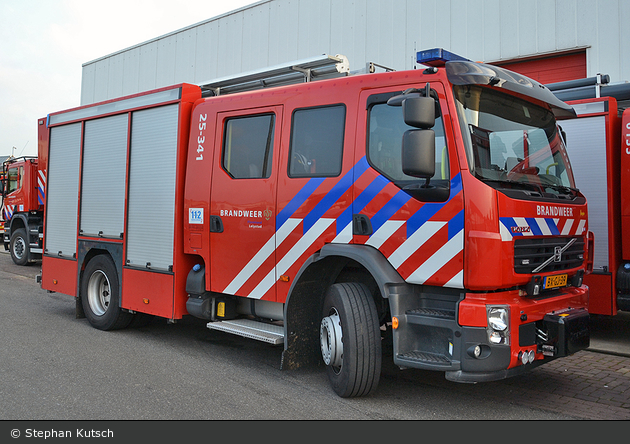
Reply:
x=498, y=318
x=498, y=324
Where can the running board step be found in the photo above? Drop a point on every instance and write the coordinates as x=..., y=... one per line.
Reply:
x=270, y=333
x=426, y=358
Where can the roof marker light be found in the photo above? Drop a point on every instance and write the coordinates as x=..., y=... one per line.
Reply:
x=437, y=57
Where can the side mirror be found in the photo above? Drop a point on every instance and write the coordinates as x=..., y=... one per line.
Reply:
x=418, y=152
x=419, y=112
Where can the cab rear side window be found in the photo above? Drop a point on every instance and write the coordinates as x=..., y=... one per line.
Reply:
x=317, y=141
x=248, y=146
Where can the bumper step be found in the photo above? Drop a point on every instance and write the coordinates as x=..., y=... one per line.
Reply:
x=432, y=313
x=260, y=331
x=425, y=358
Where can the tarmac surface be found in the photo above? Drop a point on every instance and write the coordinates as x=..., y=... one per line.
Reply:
x=593, y=384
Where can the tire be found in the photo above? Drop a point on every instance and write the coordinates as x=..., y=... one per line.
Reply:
x=350, y=340
x=100, y=295
x=19, y=247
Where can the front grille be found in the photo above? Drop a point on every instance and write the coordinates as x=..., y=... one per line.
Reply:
x=530, y=253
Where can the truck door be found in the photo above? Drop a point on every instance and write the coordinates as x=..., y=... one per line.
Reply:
x=15, y=197
x=418, y=228
x=243, y=202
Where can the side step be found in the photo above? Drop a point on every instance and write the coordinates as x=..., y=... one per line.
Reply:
x=426, y=358
x=436, y=350
x=270, y=333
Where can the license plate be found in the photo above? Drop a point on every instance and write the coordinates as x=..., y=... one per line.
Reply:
x=559, y=280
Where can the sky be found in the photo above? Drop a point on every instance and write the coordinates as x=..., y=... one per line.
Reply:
x=44, y=43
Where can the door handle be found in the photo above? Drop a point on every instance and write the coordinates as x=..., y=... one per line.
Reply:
x=216, y=224
x=361, y=225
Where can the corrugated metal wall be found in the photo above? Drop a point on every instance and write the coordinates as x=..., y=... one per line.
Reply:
x=388, y=32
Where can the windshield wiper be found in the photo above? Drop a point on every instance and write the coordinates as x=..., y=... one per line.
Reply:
x=563, y=189
x=514, y=183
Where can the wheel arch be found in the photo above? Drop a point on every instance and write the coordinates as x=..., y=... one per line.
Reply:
x=103, y=315
x=17, y=221
x=333, y=263
x=88, y=250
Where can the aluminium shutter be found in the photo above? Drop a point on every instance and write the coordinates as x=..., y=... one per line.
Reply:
x=152, y=173
x=103, y=176
x=63, y=190
x=584, y=135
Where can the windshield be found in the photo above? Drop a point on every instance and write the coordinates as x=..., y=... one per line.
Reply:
x=512, y=143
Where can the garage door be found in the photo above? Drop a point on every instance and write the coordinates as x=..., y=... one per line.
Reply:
x=550, y=69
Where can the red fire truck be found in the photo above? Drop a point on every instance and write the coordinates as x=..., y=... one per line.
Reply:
x=598, y=141
x=23, y=193
x=432, y=212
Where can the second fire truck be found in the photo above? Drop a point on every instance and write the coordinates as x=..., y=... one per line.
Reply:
x=23, y=188
x=598, y=141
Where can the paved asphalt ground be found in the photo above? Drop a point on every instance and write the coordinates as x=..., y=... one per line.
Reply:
x=593, y=384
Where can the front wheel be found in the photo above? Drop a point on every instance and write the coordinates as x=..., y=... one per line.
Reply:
x=19, y=247
x=100, y=295
x=350, y=340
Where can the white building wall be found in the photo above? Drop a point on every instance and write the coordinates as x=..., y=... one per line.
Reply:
x=388, y=32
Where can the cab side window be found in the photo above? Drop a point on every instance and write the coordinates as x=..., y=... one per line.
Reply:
x=15, y=176
x=317, y=141
x=386, y=129
x=248, y=146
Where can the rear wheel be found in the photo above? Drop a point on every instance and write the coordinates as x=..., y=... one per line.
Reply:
x=19, y=247
x=100, y=295
x=350, y=340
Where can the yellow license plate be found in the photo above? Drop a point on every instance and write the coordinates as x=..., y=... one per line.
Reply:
x=559, y=280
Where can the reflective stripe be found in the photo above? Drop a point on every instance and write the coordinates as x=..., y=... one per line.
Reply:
x=432, y=265
x=511, y=227
x=261, y=256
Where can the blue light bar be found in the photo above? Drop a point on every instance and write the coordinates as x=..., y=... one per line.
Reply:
x=437, y=57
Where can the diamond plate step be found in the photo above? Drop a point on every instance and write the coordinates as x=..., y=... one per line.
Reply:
x=425, y=357
x=260, y=331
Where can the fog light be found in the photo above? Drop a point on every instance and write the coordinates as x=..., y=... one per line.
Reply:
x=531, y=356
x=477, y=351
x=474, y=351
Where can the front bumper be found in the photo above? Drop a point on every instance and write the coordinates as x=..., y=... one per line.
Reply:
x=429, y=336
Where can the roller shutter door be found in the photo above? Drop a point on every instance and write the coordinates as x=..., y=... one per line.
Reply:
x=104, y=171
x=583, y=135
x=152, y=174
x=63, y=190
x=551, y=69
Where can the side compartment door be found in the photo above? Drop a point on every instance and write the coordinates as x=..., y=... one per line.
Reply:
x=243, y=203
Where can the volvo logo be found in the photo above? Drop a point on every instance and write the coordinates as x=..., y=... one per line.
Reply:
x=557, y=255
x=521, y=229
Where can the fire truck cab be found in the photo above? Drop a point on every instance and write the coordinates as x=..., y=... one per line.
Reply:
x=22, y=209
